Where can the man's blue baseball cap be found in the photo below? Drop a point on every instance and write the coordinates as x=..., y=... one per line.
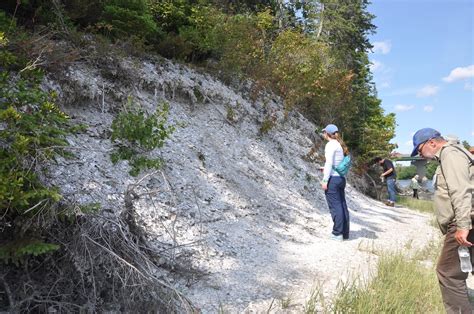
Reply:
x=331, y=129
x=422, y=136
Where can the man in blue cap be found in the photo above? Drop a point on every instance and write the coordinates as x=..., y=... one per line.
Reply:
x=454, y=211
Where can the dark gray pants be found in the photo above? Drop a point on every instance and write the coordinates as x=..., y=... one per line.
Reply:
x=452, y=280
x=336, y=198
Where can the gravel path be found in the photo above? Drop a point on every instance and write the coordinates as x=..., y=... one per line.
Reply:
x=281, y=263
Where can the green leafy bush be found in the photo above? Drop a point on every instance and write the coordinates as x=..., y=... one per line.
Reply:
x=171, y=15
x=194, y=30
x=405, y=172
x=243, y=47
x=138, y=133
x=84, y=12
x=128, y=18
x=18, y=250
x=32, y=130
x=268, y=123
x=431, y=168
x=204, y=33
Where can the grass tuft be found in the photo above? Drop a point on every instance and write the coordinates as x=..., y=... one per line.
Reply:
x=423, y=206
x=401, y=285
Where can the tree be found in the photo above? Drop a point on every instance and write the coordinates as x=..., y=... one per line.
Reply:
x=404, y=173
x=344, y=26
x=466, y=145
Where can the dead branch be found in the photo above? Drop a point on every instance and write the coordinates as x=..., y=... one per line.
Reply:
x=8, y=292
x=31, y=65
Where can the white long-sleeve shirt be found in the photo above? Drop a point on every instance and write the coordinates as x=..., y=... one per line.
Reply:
x=334, y=155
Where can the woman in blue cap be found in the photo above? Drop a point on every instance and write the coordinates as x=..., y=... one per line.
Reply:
x=334, y=184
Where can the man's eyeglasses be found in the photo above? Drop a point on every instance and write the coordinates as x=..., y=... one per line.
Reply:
x=420, y=148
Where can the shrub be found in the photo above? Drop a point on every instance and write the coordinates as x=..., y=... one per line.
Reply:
x=194, y=30
x=230, y=114
x=124, y=18
x=32, y=130
x=268, y=123
x=243, y=49
x=138, y=133
x=84, y=12
x=16, y=251
x=171, y=15
x=204, y=32
x=405, y=172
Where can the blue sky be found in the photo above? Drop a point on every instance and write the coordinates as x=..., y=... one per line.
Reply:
x=423, y=65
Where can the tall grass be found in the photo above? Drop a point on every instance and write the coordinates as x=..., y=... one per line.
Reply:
x=424, y=206
x=401, y=285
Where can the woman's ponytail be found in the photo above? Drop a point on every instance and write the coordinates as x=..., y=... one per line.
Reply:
x=345, y=149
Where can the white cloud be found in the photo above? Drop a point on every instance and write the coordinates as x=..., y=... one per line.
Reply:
x=382, y=47
x=404, y=107
x=428, y=108
x=402, y=92
x=460, y=74
x=426, y=91
x=382, y=74
x=409, y=143
x=385, y=84
x=376, y=66
x=469, y=86
x=472, y=133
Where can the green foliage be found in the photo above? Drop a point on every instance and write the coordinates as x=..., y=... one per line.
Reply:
x=171, y=15
x=137, y=133
x=123, y=18
x=78, y=128
x=19, y=251
x=203, y=32
x=90, y=208
x=402, y=285
x=30, y=11
x=243, y=47
x=230, y=114
x=377, y=130
x=138, y=128
x=198, y=94
x=32, y=130
x=84, y=12
x=299, y=68
x=408, y=172
x=268, y=123
x=405, y=172
x=137, y=163
x=423, y=206
x=466, y=145
x=196, y=31
x=431, y=168
x=347, y=25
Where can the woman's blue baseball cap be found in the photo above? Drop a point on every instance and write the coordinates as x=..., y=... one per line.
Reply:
x=331, y=129
x=422, y=136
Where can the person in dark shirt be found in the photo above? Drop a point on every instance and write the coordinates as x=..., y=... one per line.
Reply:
x=389, y=176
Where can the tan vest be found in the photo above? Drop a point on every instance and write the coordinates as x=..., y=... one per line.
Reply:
x=454, y=187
